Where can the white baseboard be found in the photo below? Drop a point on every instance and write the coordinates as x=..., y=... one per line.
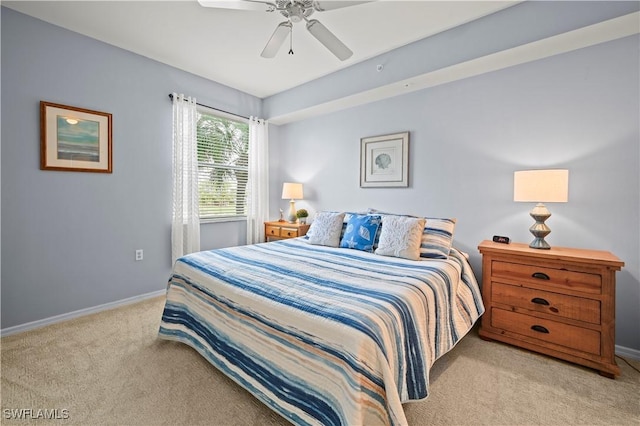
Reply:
x=628, y=352
x=75, y=314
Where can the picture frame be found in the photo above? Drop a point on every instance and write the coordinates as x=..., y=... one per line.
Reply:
x=384, y=161
x=75, y=139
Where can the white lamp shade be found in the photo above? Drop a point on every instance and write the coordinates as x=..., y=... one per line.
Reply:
x=291, y=191
x=541, y=186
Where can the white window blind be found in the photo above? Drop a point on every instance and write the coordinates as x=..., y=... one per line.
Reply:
x=223, y=150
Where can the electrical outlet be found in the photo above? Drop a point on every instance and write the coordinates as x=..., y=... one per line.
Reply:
x=139, y=254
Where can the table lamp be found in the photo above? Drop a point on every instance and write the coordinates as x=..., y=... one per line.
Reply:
x=541, y=186
x=292, y=191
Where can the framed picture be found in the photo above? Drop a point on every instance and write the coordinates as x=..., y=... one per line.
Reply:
x=384, y=161
x=74, y=139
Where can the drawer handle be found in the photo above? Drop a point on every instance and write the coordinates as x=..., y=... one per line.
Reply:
x=540, y=276
x=539, y=301
x=539, y=329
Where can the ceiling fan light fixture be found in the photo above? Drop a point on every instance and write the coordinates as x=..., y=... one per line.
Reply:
x=293, y=11
x=296, y=13
x=328, y=39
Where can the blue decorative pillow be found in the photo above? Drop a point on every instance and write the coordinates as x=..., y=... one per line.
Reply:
x=347, y=216
x=361, y=232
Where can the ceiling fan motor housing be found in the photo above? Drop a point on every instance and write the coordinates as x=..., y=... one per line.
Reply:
x=296, y=10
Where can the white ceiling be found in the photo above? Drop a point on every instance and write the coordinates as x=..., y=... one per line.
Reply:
x=224, y=45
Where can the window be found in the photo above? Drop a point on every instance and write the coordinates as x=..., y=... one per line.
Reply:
x=223, y=166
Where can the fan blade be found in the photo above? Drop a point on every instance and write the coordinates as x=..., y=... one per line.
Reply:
x=329, y=40
x=322, y=6
x=276, y=40
x=238, y=4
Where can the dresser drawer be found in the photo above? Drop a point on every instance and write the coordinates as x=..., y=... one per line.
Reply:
x=569, y=336
x=272, y=231
x=572, y=307
x=282, y=230
x=288, y=232
x=521, y=273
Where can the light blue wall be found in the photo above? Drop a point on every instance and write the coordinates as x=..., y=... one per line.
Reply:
x=69, y=239
x=578, y=111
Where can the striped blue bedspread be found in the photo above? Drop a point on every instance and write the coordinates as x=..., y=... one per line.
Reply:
x=322, y=335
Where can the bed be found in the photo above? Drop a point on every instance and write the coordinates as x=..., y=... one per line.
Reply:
x=322, y=335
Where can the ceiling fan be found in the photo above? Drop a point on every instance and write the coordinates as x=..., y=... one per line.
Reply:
x=294, y=11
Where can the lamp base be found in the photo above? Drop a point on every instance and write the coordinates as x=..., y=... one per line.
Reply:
x=539, y=229
x=540, y=243
x=291, y=217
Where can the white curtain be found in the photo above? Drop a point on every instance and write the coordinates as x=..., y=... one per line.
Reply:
x=258, y=185
x=185, y=226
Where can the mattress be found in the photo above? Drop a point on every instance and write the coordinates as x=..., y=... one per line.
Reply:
x=322, y=335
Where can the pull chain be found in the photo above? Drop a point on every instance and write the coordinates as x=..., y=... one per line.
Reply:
x=291, y=40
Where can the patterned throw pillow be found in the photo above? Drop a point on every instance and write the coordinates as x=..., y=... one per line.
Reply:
x=360, y=232
x=401, y=237
x=326, y=228
x=437, y=238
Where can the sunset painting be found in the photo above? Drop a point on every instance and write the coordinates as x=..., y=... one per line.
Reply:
x=78, y=140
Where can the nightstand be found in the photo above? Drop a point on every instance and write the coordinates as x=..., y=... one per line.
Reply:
x=559, y=302
x=283, y=230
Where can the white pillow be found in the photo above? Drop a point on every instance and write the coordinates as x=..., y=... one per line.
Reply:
x=326, y=228
x=401, y=237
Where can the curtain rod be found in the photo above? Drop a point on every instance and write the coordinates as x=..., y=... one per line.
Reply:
x=217, y=109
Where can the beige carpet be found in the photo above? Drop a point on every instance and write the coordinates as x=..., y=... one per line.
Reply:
x=109, y=368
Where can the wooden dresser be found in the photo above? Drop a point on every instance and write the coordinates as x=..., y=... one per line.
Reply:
x=559, y=302
x=283, y=230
